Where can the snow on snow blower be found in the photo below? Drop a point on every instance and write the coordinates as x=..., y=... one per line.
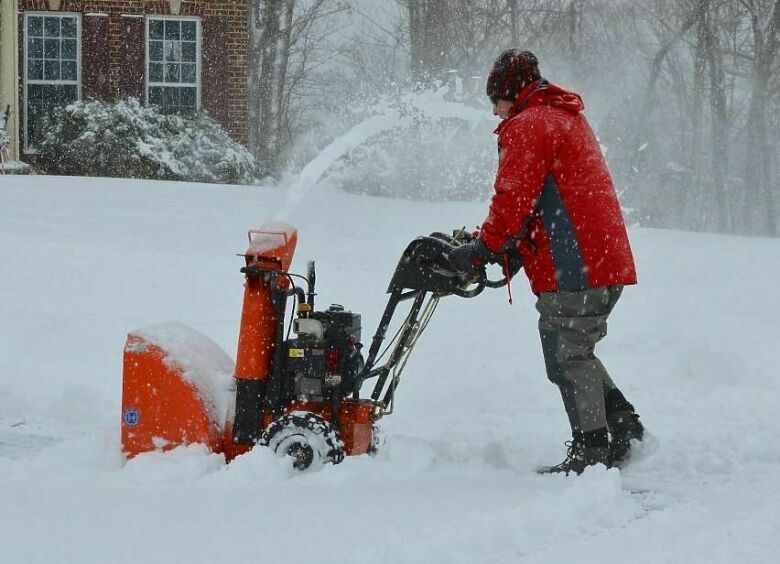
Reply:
x=299, y=396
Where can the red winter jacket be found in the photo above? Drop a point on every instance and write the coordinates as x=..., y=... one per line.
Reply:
x=553, y=190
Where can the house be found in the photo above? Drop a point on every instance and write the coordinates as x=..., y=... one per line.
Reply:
x=179, y=55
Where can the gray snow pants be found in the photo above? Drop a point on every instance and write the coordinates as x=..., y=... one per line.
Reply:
x=570, y=325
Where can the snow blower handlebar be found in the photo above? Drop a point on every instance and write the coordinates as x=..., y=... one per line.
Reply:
x=424, y=271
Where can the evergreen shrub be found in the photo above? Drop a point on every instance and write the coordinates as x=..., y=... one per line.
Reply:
x=127, y=140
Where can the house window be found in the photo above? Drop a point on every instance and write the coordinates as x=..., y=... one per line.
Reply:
x=173, y=64
x=52, y=69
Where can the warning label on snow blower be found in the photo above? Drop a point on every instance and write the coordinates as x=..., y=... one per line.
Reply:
x=296, y=353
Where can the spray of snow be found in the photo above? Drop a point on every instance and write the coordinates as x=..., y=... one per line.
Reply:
x=387, y=117
x=313, y=171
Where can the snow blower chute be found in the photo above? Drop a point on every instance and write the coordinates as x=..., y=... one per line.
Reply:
x=300, y=395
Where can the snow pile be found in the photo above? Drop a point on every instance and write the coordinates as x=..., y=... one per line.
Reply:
x=202, y=362
x=271, y=235
x=692, y=346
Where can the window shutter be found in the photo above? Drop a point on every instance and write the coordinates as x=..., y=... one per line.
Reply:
x=214, y=71
x=95, y=49
x=133, y=58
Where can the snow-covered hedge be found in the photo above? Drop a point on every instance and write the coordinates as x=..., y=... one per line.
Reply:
x=424, y=147
x=125, y=139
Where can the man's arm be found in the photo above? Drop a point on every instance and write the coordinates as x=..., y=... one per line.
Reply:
x=528, y=149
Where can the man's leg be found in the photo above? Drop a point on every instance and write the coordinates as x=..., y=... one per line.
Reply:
x=570, y=325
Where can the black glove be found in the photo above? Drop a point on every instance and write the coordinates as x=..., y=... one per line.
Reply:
x=469, y=259
x=514, y=261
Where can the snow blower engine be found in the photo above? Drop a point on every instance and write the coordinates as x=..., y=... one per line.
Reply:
x=300, y=396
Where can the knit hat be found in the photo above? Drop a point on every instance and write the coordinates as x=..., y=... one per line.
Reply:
x=513, y=70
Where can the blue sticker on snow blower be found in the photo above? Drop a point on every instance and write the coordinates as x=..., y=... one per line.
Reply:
x=131, y=416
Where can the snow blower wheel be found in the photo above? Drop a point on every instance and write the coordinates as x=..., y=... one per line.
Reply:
x=307, y=438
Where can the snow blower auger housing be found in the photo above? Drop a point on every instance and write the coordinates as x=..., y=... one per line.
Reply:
x=300, y=396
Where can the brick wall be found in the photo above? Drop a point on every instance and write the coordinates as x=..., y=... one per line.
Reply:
x=226, y=92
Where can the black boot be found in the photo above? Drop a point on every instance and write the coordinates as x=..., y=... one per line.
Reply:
x=580, y=457
x=623, y=423
x=624, y=426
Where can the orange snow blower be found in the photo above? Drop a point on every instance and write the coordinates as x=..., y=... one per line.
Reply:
x=299, y=396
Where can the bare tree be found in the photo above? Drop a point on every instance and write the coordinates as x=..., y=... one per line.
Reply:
x=465, y=35
x=428, y=38
x=760, y=159
x=268, y=58
x=514, y=20
x=716, y=207
x=378, y=51
x=649, y=99
x=283, y=43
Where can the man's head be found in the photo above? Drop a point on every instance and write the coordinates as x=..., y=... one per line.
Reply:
x=512, y=70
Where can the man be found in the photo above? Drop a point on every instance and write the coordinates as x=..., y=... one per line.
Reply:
x=555, y=205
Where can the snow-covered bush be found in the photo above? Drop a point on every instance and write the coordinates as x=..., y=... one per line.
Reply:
x=125, y=139
x=425, y=146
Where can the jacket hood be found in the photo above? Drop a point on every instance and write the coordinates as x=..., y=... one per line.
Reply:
x=545, y=93
x=557, y=97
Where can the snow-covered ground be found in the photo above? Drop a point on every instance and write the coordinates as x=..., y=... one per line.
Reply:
x=84, y=261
